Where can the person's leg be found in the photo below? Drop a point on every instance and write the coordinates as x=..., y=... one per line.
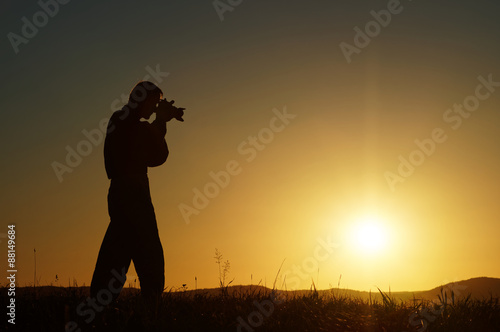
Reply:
x=148, y=256
x=150, y=264
x=112, y=265
x=115, y=252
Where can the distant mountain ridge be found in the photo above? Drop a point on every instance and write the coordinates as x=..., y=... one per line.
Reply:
x=478, y=288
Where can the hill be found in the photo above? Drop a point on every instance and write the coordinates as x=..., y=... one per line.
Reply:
x=246, y=308
x=478, y=288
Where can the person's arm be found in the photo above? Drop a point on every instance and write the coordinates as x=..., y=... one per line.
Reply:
x=155, y=145
x=158, y=150
x=159, y=125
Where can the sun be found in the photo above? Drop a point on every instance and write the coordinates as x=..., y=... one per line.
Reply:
x=369, y=235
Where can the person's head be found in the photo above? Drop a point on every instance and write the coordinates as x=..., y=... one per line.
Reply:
x=143, y=98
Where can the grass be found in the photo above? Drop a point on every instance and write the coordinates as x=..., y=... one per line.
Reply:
x=50, y=308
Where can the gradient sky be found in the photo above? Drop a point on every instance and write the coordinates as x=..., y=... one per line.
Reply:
x=313, y=182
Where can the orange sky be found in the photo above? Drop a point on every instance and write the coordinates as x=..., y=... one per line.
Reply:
x=302, y=186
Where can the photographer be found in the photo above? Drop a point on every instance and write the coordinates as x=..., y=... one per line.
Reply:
x=131, y=146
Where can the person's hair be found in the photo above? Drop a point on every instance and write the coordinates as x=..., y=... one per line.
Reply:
x=142, y=91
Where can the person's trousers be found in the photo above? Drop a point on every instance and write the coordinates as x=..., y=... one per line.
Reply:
x=132, y=235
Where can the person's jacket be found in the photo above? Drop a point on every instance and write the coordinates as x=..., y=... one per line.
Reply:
x=131, y=145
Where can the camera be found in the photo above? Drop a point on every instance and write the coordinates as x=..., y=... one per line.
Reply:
x=169, y=111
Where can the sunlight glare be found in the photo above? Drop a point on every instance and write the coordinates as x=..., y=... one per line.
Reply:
x=369, y=235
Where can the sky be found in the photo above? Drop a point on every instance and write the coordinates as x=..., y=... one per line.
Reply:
x=350, y=143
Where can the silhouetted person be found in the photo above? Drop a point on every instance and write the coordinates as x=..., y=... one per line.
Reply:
x=131, y=146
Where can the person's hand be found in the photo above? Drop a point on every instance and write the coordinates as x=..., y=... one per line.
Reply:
x=166, y=111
